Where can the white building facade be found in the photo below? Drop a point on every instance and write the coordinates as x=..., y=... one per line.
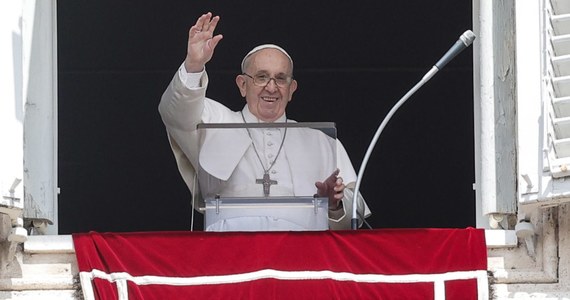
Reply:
x=521, y=95
x=522, y=138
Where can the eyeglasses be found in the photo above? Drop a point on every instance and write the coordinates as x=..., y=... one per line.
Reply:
x=263, y=80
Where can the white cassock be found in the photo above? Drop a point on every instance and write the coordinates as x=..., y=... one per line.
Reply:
x=231, y=163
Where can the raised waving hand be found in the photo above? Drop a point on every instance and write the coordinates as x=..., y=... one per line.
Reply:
x=201, y=42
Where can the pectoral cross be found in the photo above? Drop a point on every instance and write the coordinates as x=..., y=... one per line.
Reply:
x=267, y=182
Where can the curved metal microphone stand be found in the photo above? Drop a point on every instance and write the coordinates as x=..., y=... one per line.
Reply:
x=464, y=41
x=426, y=78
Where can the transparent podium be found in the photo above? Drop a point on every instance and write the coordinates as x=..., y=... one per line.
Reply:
x=261, y=176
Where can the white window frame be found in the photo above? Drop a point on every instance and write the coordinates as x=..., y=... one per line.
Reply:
x=32, y=51
x=494, y=110
x=40, y=129
x=41, y=158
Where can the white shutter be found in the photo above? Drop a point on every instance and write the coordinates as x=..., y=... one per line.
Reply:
x=557, y=86
x=543, y=102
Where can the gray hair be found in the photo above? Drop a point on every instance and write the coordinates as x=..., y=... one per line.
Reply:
x=261, y=47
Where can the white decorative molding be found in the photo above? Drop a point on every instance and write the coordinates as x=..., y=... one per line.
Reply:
x=511, y=265
x=500, y=238
x=12, y=234
x=44, y=268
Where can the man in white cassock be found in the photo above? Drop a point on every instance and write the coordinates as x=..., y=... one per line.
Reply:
x=266, y=161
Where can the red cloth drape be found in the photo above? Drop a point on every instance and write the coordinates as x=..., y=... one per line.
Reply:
x=362, y=264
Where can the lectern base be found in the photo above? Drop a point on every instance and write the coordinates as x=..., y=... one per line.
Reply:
x=266, y=214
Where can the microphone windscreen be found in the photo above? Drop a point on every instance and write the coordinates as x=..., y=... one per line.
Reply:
x=467, y=37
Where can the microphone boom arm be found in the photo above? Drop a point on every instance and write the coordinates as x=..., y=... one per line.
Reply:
x=426, y=78
x=464, y=41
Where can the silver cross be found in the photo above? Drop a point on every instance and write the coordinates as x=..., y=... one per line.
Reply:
x=267, y=182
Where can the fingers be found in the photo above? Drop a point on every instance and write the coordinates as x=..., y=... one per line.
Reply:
x=205, y=23
x=339, y=196
x=336, y=190
x=336, y=172
x=339, y=189
x=319, y=185
x=333, y=186
x=203, y=31
x=332, y=179
x=211, y=26
x=203, y=20
x=198, y=27
x=201, y=42
x=339, y=186
x=213, y=42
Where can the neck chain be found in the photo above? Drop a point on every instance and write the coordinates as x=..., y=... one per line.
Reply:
x=266, y=180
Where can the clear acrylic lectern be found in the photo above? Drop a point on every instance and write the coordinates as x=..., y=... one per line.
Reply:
x=261, y=176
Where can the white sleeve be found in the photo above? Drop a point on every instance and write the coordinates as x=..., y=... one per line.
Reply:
x=190, y=80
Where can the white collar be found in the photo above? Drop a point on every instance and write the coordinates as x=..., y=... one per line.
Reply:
x=251, y=118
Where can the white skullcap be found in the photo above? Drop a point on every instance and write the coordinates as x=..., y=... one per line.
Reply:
x=261, y=47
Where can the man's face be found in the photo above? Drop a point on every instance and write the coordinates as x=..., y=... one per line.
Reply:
x=267, y=102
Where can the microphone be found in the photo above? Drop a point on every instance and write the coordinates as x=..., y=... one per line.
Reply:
x=462, y=43
x=465, y=40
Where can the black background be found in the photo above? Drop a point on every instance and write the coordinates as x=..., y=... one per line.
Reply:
x=353, y=61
